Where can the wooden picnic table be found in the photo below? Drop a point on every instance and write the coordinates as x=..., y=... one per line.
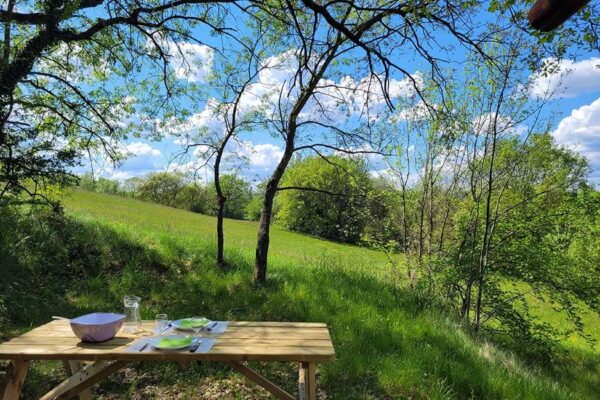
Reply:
x=88, y=363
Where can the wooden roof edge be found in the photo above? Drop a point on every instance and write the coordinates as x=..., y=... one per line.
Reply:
x=547, y=15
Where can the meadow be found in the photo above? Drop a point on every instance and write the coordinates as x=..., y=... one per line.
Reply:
x=391, y=342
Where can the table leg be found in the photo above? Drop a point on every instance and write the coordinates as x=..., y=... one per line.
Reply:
x=72, y=367
x=308, y=382
x=83, y=379
x=13, y=382
x=260, y=380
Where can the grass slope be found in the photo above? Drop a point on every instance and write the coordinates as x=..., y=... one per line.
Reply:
x=389, y=344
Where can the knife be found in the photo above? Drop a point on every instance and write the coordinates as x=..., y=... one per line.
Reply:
x=166, y=328
x=211, y=325
x=143, y=347
x=195, y=345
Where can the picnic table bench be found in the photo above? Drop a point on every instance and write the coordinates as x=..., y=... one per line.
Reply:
x=89, y=363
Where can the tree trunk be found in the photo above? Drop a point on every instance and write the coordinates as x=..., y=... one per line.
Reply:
x=220, y=235
x=262, y=244
x=221, y=199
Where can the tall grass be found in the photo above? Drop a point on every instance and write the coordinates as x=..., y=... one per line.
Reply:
x=390, y=342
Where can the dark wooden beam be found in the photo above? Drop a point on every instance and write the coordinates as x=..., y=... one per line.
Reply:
x=547, y=15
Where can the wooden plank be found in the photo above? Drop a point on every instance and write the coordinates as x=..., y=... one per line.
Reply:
x=281, y=324
x=275, y=342
x=180, y=356
x=119, y=342
x=70, y=338
x=266, y=350
x=307, y=381
x=261, y=381
x=312, y=381
x=21, y=352
x=217, y=353
x=150, y=324
x=13, y=382
x=72, y=367
x=149, y=330
x=277, y=332
x=57, y=341
x=83, y=379
x=302, y=390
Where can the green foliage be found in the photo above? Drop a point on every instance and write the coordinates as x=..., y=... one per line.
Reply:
x=333, y=204
x=539, y=217
x=390, y=342
x=254, y=206
x=238, y=193
x=161, y=188
x=100, y=185
x=175, y=190
x=194, y=197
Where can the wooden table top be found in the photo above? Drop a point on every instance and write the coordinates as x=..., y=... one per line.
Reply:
x=241, y=341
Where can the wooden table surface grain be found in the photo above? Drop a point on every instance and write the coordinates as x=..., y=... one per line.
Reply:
x=241, y=341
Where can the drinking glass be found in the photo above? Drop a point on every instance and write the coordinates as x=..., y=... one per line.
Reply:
x=160, y=323
x=197, y=326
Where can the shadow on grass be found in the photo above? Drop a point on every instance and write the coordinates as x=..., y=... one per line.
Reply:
x=389, y=342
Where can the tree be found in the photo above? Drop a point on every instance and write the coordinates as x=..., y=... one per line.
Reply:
x=57, y=56
x=490, y=212
x=238, y=193
x=162, y=188
x=325, y=198
x=325, y=36
x=194, y=197
x=225, y=115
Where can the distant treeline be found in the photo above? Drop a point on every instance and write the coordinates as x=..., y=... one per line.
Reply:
x=178, y=191
x=336, y=199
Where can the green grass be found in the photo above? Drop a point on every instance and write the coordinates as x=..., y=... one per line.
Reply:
x=390, y=343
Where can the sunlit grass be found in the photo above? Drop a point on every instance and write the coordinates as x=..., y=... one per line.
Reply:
x=389, y=342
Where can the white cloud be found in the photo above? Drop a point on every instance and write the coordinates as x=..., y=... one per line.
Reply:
x=569, y=79
x=197, y=168
x=209, y=119
x=580, y=131
x=71, y=62
x=418, y=112
x=119, y=175
x=244, y=157
x=136, y=159
x=142, y=149
x=261, y=157
x=334, y=102
x=191, y=61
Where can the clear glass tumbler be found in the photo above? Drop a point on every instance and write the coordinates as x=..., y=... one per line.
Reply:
x=160, y=323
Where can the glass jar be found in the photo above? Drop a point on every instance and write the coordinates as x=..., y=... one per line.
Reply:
x=133, y=321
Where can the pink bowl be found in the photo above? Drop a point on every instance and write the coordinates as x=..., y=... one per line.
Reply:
x=97, y=327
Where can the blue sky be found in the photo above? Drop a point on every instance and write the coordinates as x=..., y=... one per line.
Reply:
x=574, y=110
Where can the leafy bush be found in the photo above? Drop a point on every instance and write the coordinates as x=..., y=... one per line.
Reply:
x=238, y=193
x=162, y=188
x=326, y=198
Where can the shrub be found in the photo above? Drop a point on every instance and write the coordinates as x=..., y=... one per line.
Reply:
x=331, y=199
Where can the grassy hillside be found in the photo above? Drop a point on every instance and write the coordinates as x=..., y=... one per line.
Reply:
x=389, y=342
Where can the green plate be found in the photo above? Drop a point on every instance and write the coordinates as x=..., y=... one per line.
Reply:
x=173, y=342
x=186, y=324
